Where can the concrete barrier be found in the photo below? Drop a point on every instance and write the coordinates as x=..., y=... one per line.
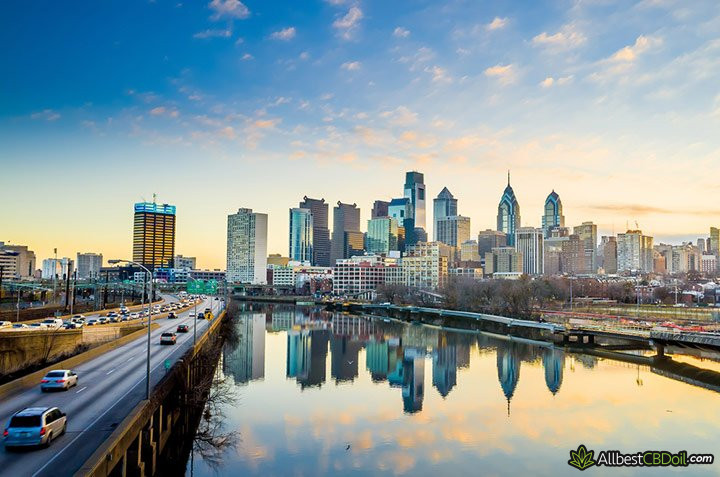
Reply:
x=33, y=379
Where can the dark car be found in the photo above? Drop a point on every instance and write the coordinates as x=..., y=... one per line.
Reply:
x=201, y=316
x=171, y=316
x=183, y=329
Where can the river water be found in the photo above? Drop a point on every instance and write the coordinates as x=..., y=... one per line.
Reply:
x=304, y=392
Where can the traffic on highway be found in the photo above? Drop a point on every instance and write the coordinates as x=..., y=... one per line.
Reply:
x=52, y=433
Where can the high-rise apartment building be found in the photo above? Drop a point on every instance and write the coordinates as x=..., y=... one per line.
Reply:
x=444, y=205
x=154, y=235
x=415, y=191
x=469, y=251
x=503, y=261
x=490, y=239
x=247, y=247
x=301, y=235
x=426, y=265
x=587, y=232
x=453, y=230
x=529, y=242
x=634, y=252
x=572, y=257
x=714, y=241
x=382, y=235
x=379, y=209
x=321, y=233
x=553, y=213
x=89, y=265
x=346, y=218
x=701, y=245
x=508, y=216
x=609, y=253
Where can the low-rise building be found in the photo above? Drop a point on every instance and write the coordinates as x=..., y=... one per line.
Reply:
x=426, y=264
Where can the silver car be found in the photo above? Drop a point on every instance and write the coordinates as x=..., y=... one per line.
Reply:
x=34, y=426
x=59, y=379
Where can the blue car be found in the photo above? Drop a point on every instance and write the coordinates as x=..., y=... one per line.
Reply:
x=34, y=426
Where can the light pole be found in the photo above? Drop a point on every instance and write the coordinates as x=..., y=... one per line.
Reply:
x=195, y=318
x=150, y=297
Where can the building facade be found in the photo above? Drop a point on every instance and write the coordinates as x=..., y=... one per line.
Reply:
x=379, y=209
x=247, y=247
x=346, y=218
x=503, y=260
x=185, y=262
x=490, y=239
x=453, y=230
x=508, y=216
x=301, y=235
x=587, y=232
x=321, y=233
x=469, y=251
x=529, y=242
x=426, y=265
x=154, y=235
x=89, y=265
x=414, y=191
x=634, y=252
x=553, y=213
x=382, y=235
x=444, y=205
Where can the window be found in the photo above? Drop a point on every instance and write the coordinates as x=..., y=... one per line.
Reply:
x=25, y=421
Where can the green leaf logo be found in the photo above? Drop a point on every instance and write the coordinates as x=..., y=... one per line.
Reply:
x=581, y=459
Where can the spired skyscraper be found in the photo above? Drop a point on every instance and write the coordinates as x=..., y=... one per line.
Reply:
x=415, y=191
x=154, y=235
x=553, y=215
x=508, y=217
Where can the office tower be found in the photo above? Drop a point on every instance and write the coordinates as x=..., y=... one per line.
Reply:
x=553, y=216
x=415, y=191
x=552, y=254
x=379, y=209
x=301, y=235
x=529, y=242
x=382, y=235
x=587, y=232
x=490, y=239
x=247, y=247
x=180, y=261
x=572, y=256
x=634, y=252
x=444, y=205
x=609, y=248
x=89, y=265
x=346, y=218
x=453, y=230
x=713, y=245
x=701, y=245
x=154, y=235
x=508, y=217
x=23, y=260
x=321, y=233
x=502, y=261
x=353, y=244
x=469, y=251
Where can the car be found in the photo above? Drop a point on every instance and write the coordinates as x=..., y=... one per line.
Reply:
x=102, y=320
x=59, y=379
x=217, y=298
x=168, y=338
x=183, y=328
x=208, y=310
x=111, y=314
x=134, y=316
x=20, y=326
x=54, y=323
x=5, y=324
x=171, y=316
x=92, y=321
x=77, y=317
x=37, y=326
x=192, y=314
x=34, y=426
x=201, y=316
x=114, y=319
x=68, y=325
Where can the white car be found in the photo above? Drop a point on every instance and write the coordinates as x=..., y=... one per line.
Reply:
x=192, y=314
x=5, y=324
x=59, y=379
x=134, y=316
x=53, y=323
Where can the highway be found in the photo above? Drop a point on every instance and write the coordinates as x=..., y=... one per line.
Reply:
x=109, y=387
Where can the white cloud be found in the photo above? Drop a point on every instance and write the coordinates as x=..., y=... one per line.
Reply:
x=496, y=24
x=550, y=81
x=641, y=45
x=348, y=24
x=400, y=116
x=228, y=8
x=46, y=114
x=505, y=74
x=351, y=65
x=439, y=75
x=284, y=34
x=567, y=38
x=304, y=55
x=163, y=111
x=213, y=33
x=247, y=57
x=401, y=32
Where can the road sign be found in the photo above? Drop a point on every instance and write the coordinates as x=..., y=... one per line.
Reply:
x=211, y=287
x=167, y=364
x=195, y=287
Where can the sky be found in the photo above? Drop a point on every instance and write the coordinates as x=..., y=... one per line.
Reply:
x=217, y=105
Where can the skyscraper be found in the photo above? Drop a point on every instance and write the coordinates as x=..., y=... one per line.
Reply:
x=453, y=230
x=346, y=218
x=508, y=217
x=415, y=191
x=379, y=209
x=609, y=253
x=89, y=265
x=247, y=247
x=634, y=252
x=301, y=235
x=444, y=205
x=529, y=242
x=154, y=235
x=490, y=239
x=382, y=235
x=588, y=236
x=553, y=216
x=713, y=245
x=321, y=234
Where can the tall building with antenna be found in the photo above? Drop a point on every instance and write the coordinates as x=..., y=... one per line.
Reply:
x=508, y=217
x=154, y=234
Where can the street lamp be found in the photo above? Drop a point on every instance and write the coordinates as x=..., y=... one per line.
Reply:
x=147, y=371
x=196, y=318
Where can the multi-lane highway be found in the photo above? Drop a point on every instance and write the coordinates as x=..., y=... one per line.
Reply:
x=109, y=387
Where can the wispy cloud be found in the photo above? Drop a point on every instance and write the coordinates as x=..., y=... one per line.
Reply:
x=46, y=115
x=568, y=37
x=400, y=116
x=228, y=9
x=213, y=33
x=496, y=24
x=439, y=74
x=163, y=111
x=505, y=74
x=351, y=65
x=642, y=209
x=247, y=57
x=631, y=52
x=348, y=24
x=550, y=81
x=400, y=32
x=285, y=34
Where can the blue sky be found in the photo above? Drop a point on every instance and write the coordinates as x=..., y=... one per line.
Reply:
x=221, y=104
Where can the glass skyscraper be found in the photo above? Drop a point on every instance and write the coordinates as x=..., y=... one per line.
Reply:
x=508, y=217
x=444, y=205
x=301, y=235
x=415, y=191
x=553, y=214
x=154, y=235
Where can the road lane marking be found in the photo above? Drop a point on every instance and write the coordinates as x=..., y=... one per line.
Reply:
x=110, y=372
x=80, y=390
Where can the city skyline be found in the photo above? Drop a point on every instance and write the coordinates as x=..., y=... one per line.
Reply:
x=608, y=104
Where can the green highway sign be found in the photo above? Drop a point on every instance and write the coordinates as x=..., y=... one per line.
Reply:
x=200, y=287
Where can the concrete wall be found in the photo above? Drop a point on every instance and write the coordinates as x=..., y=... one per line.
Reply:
x=20, y=349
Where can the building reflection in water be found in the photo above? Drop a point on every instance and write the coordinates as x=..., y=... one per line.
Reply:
x=393, y=353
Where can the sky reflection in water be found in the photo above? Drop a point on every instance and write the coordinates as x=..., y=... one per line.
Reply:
x=359, y=396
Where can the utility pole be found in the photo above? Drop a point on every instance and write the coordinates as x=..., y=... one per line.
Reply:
x=54, y=275
x=67, y=285
x=74, y=292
